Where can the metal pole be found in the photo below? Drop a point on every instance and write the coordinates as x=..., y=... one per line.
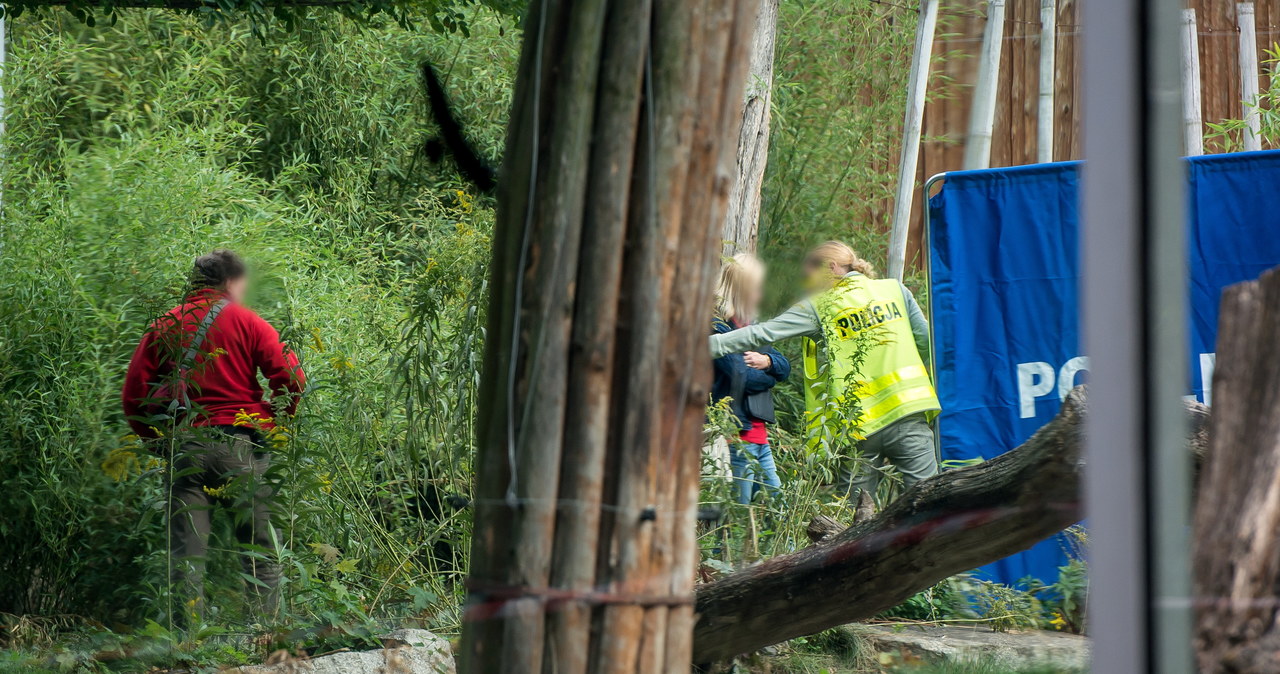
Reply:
x=1245, y=21
x=1048, y=47
x=1193, y=131
x=982, y=116
x=1135, y=293
x=911, y=126
x=4, y=49
x=927, y=244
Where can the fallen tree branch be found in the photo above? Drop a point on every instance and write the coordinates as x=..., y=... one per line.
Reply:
x=822, y=527
x=946, y=525
x=949, y=524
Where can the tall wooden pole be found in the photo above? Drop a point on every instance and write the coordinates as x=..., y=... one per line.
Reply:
x=742, y=218
x=1048, y=49
x=982, y=117
x=619, y=161
x=1235, y=553
x=926, y=24
x=1246, y=22
x=1193, y=131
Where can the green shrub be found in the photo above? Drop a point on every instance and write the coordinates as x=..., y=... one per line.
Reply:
x=131, y=149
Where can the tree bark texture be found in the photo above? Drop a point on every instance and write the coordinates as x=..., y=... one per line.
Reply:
x=742, y=219
x=618, y=166
x=1237, y=515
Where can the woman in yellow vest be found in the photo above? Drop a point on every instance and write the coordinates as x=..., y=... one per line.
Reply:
x=866, y=337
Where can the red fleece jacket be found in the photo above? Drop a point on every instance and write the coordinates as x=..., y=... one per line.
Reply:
x=223, y=380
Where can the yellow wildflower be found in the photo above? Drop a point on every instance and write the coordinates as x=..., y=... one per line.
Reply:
x=341, y=363
x=251, y=419
x=1058, y=622
x=278, y=436
x=216, y=492
x=119, y=463
x=464, y=200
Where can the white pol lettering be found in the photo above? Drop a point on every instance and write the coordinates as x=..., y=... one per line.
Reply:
x=1035, y=379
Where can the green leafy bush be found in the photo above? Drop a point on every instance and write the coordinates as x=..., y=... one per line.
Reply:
x=132, y=148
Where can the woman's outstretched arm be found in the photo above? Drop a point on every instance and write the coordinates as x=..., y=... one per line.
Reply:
x=919, y=325
x=800, y=320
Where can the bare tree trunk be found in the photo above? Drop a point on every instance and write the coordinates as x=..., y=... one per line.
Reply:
x=742, y=220
x=1237, y=516
x=619, y=158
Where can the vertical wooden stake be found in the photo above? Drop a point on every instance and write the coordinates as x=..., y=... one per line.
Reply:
x=1048, y=48
x=911, y=125
x=619, y=162
x=1193, y=133
x=1245, y=21
x=982, y=117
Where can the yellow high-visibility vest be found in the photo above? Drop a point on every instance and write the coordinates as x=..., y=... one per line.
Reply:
x=869, y=352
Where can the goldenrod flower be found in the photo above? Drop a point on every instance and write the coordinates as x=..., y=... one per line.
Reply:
x=278, y=436
x=216, y=492
x=119, y=463
x=251, y=419
x=464, y=200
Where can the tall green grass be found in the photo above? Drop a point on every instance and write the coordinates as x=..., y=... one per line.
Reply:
x=132, y=148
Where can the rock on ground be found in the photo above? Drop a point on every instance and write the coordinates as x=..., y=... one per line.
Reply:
x=404, y=652
x=963, y=644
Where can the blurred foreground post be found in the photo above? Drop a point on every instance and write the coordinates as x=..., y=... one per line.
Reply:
x=1134, y=290
x=619, y=160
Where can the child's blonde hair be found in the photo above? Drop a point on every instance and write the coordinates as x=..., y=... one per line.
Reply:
x=843, y=256
x=737, y=274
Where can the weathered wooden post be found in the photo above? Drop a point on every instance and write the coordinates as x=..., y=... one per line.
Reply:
x=1246, y=22
x=982, y=116
x=1193, y=131
x=619, y=161
x=912, y=124
x=1048, y=68
x=742, y=217
x=1237, y=543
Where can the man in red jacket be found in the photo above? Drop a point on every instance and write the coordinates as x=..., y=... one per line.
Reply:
x=192, y=386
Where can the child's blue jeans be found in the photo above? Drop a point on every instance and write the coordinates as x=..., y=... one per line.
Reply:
x=753, y=469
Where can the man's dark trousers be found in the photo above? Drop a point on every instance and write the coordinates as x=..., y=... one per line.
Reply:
x=226, y=465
